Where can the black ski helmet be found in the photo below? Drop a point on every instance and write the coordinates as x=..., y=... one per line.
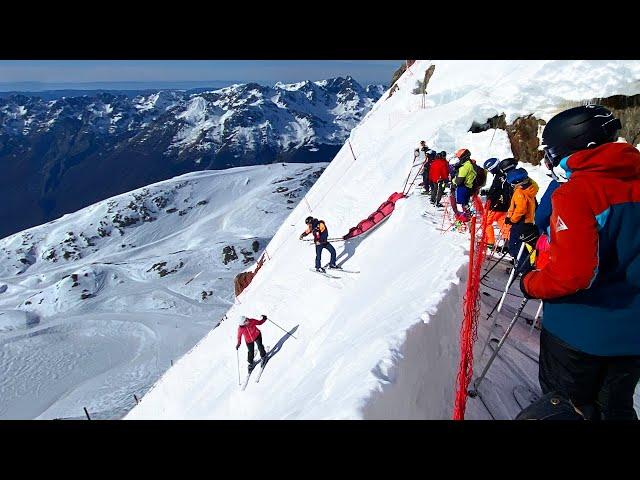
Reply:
x=576, y=129
x=442, y=154
x=308, y=220
x=507, y=164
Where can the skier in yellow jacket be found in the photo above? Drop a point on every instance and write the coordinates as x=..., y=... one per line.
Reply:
x=464, y=183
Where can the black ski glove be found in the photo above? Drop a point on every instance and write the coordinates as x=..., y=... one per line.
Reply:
x=507, y=221
x=237, y=347
x=484, y=192
x=264, y=317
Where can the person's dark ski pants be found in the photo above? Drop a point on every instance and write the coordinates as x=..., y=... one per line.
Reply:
x=425, y=180
x=437, y=188
x=332, y=251
x=260, y=348
x=601, y=387
x=522, y=232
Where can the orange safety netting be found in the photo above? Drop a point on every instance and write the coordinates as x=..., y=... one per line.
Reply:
x=471, y=308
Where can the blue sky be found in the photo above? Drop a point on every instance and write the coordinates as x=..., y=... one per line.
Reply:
x=19, y=74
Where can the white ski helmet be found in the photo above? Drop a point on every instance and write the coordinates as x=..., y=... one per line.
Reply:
x=242, y=320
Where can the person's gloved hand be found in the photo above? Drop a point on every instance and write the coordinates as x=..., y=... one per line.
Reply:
x=507, y=221
x=301, y=236
x=264, y=317
x=484, y=192
x=237, y=346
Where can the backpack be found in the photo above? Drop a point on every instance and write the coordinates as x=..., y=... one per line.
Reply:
x=481, y=177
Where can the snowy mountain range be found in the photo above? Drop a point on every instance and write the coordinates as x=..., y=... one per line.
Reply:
x=59, y=155
x=94, y=306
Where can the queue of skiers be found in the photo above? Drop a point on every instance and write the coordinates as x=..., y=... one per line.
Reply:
x=584, y=234
x=462, y=174
x=587, y=224
x=590, y=339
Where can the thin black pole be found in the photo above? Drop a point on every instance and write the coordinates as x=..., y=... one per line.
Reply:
x=494, y=265
x=282, y=328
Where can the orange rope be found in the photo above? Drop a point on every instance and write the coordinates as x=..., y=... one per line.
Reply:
x=471, y=308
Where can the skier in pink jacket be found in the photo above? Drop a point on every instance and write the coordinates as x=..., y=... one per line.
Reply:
x=249, y=329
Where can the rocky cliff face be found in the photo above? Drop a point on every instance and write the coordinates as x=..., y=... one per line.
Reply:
x=524, y=132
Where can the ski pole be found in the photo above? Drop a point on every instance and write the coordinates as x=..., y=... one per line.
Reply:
x=473, y=392
x=511, y=276
x=535, y=319
x=282, y=328
x=495, y=243
x=493, y=266
x=238, y=365
x=498, y=306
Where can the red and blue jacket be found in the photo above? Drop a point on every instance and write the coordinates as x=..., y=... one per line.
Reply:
x=591, y=284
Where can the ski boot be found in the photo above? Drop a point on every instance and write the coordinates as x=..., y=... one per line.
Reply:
x=320, y=270
x=334, y=267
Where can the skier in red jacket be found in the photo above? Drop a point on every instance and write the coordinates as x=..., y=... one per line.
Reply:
x=249, y=328
x=590, y=339
x=438, y=175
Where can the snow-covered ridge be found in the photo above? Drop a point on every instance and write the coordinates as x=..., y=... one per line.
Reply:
x=356, y=354
x=210, y=118
x=94, y=306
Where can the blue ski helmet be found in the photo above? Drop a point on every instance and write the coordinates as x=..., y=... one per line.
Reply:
x=490, y=164
x=517, y=175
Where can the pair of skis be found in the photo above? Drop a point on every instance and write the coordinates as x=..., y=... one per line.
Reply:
x=328, y=275
x=263, y=363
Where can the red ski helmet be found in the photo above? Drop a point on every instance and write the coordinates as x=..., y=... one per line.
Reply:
x=463, y=154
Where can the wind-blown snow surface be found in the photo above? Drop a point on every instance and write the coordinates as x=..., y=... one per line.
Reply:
x=382, y=343
x=96, y=305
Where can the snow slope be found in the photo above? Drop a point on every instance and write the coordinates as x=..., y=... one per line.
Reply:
x=96, y=305
x=382, y=343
